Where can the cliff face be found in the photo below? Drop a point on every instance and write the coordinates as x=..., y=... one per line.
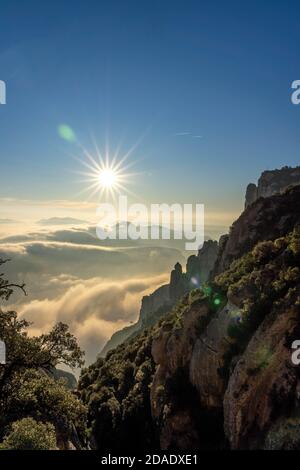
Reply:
x=182, y=422
x=198, y=270
x=265, y=219
x=261, y=406
x=199, y=267
x=153, y=306
x=177, y=285
x=151, y=303
x=207, y=256
x=272, y=182
x=230, y=360
x=119, y=337
x=215, y=371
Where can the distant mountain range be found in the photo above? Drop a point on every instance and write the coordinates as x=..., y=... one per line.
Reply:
x=61, y=221
x=8, y=221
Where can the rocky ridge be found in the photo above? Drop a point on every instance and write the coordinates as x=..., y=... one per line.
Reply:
x=272, y=182
x=156, y=304
x=215, y=371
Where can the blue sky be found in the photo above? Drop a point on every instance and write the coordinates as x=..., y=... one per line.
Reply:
x=122, y=69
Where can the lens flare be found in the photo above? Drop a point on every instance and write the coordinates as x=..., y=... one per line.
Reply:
x=66, y=133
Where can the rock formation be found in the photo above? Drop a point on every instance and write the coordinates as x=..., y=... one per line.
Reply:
x=265, y=219
x=215, y=371
x=151, y=304
x=198, y=269
x=251, y=194
x=272, y=182
x=177, y=283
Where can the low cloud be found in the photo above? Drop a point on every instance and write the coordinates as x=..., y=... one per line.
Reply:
x=74, y=278
x=61, y=221
x=30, y=260
x=94, y=309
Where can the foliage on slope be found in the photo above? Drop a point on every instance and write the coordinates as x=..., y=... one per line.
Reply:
x=266, y=278
x=117, y=389
x=28, y=434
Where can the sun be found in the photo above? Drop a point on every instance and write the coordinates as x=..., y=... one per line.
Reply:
x=107, y=178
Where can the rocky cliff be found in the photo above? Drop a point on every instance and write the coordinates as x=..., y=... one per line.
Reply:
x=216, y=370
x=272, y=182
x=265, y=219
x=198, y=269
x=224, y=373
x=152, y=306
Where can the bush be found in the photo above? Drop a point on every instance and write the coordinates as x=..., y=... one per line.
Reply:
x=28, y=434
x=284, y=435
x=32, y=393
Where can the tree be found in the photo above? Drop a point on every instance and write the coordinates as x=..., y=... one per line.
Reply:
x=6, y=287
x=27, y=387
x=33, y=393
x=58, y=346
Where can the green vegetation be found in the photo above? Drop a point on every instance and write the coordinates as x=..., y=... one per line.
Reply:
x=116, y=391
x=33, y=393
x=262, y=280
x=284, y=435
x=28, y=434
x=27, y=387
x=114, y=410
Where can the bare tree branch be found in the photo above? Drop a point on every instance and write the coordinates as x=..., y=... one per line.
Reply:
x=19, y=286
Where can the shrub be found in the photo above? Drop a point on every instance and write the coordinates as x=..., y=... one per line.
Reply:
x=28, y=434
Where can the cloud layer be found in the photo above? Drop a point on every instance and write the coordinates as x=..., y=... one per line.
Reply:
x=71, y=277
x=94, y=309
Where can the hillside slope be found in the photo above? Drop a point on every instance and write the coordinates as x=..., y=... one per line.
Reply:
x=216, y=371
x=156, y=304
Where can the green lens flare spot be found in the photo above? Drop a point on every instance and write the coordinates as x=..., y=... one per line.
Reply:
x=217, y=302
x=207, y=290
x=66, y=133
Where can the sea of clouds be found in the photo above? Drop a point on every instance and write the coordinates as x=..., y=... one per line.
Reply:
x=71, y=276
